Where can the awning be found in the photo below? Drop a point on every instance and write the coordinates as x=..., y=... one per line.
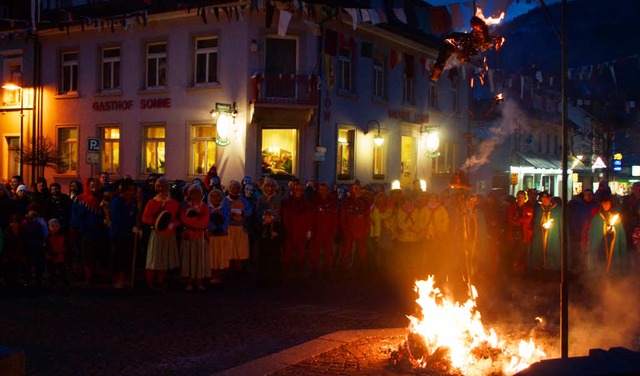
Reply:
x=542, y=161
x=282, y=115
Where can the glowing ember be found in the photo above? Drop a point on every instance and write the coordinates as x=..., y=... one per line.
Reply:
x=451, y=336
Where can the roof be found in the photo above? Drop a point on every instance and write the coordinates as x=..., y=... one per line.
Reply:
x=542, y=161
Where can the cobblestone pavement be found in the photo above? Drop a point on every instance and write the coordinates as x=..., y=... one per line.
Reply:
x=102, y=331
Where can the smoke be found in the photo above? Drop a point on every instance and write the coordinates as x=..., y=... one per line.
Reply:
x=605, y=315
x=505, y=126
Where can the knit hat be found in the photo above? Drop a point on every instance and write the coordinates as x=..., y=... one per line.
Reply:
x=53, y=221
x=22, y=187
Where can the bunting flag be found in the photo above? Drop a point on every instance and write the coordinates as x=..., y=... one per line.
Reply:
x=283, y=22
x=395, y=58
x=400, y=14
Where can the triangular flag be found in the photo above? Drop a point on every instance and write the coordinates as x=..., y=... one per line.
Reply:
x=283, y=22
x=400, y=15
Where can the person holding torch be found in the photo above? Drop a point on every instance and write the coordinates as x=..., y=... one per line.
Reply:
x=607, y=241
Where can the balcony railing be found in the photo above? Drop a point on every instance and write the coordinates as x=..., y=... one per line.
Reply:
x=285, y=88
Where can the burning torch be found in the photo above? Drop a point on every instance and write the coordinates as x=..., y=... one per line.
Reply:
x=611, y=230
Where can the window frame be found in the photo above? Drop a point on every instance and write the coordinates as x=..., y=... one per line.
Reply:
x=379, y=78
x=408, y=90
x=350, y=147
x=207, y=52
x=108, y=143
x=434, y=96
x=71, y=69
x=160, y=70
x=345, y=65
x=145, y=140
x=115, y=65
x=449, y=151
x=73, y=155
x=192, y=170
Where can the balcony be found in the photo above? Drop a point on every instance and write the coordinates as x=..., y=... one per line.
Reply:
x=285, y=89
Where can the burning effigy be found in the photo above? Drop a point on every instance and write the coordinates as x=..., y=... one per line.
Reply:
x=467, y=45
x=450, y=339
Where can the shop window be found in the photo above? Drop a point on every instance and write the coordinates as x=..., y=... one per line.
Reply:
x=203, y=148
x=156, y=65
x=206, y=60
x=69, y=72
x=111, y=149
x=68, y=147
x=154, y=149
x=279, y=151
x=345, y=156
x=111, y=68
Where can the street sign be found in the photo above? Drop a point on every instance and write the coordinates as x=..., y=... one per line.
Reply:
x=93, y=158
x=93, y=145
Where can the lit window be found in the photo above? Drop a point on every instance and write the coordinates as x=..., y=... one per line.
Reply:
x=279, y=151
x=69, y=72
x=111, y=149
x=111, y=68
x=68, y=147
x=379, y=161
x=444, y=164
x=206, y=70
x=345, y=158
x=154, y=149
x=378, y=79
x=345, y=70
x=203, y=148
x=156, y=65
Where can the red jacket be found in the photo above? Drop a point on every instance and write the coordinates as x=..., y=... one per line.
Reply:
x=355, y=216
x=296, y=216
x=324, y=217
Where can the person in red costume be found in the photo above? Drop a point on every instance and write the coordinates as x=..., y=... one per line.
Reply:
x=324, y=221
x=195, y=265
x=355, y=223
x=296, y=218
x=520, y=216
x=162, y=251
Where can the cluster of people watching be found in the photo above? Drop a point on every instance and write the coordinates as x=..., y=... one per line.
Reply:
x=103, y=231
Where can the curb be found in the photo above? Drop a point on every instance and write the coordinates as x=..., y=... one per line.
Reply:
x=299, y=353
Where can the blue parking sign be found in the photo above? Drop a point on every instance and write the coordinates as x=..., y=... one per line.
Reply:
x=93, y=144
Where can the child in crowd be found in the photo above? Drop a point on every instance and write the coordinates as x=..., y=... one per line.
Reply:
x=56, y=250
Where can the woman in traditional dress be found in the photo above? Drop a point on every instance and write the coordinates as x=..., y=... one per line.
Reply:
x=162, y=251
x=607, y=241
x=196, y=265
x=240, y=210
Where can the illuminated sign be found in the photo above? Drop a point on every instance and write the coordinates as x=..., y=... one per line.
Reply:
x=635, y=170
x=617, y=157
x=617, y=165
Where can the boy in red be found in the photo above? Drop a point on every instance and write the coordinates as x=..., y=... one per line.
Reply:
x=55, y=253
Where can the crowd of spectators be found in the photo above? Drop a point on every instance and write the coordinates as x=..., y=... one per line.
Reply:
x=203, y=233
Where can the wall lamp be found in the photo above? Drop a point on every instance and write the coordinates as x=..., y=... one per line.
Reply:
x=431, y=141
x=225, y=114
x=377, y=139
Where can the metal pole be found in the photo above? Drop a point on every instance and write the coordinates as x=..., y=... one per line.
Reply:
x=21, y=129
x=564, y=287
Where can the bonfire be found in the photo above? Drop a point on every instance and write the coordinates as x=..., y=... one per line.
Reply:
x=450, y=339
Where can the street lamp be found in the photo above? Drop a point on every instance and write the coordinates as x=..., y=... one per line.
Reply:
x=13, y=87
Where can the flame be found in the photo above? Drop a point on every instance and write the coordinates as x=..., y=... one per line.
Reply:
x=490, y=20
x=547, y=225
x=458, y=328
x=613, y=220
